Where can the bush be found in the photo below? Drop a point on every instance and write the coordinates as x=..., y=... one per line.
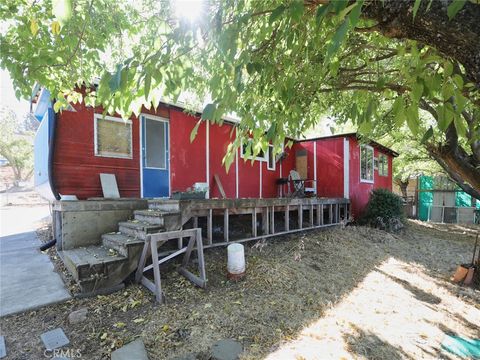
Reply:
x=384, y=211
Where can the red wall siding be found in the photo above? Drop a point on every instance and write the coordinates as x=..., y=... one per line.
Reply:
x=219, y=141
x=330, y=167
x=187, y=159
x=76, y=169
x=360, y=191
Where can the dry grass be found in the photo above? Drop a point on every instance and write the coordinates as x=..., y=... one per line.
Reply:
x=339, y=293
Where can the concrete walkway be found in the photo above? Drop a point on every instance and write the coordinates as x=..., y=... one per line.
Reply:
x=27, y=278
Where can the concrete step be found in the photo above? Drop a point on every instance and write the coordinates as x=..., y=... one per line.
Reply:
x=138, y=229
x=154, y=216
x=170, y=220
x=164, y=205
x=121, y=243
x=86, y=262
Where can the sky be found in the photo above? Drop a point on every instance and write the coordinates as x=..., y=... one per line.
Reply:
x=7, y=96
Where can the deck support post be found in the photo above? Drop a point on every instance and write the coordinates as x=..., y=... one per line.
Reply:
x=287, y=218
x=210, y=226
x=330, y=214
x=225, y=225
x=311, y=216
x=337, y=213
x=254, y=222
x=195, y=222
x=318, y=215
x=272, y=220
x=300, y=216
x=265, y=221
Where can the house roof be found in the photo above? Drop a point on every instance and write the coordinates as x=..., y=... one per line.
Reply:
x=357, y=136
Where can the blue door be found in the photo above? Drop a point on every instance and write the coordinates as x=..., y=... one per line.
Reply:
x=155, y=157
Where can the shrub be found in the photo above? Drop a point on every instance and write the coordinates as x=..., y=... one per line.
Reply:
x=384, y=211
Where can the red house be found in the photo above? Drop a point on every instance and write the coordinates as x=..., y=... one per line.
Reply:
x=152, y=156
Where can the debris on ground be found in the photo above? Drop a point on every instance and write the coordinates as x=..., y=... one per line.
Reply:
x=312, y=282
x=78, y=316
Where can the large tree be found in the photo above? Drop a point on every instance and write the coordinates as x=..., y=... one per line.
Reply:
x=279, y=65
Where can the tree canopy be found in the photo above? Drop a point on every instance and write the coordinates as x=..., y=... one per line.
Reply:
x=278, y=65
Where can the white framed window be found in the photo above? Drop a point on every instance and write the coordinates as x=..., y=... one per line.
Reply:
x=112, y=137
x=271, y=159
x=366, y=163
x=261, y=156
x=383, y=165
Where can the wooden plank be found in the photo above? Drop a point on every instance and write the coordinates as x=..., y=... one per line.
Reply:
x=287, y=218
x=254, y=222
x=201, y=259
x=225, y=225
x=193, y=278
x=148, y=284
x=156, y=272
x=300, y=216
x=188, y=252
x=195, y=222
x=220, y=187
x=143, y=260
x=321, y=215
x=318, y=214
x=210, y=227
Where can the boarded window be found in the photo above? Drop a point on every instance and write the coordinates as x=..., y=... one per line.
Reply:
x=383, y=165
x=366, y=163
x=113, y=137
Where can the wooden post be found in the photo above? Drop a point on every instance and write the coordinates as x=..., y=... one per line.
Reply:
x=311, y=216
x=272, y=221
x=195, y=222
x=210, y=226
x=156, y=273
x=225, y=225
x=330, y=214
x=287, y=218
x=265, y=220
x=321, y=215
x=300, y=216
x=254, y=222
x=180, y=240
x=318, y=214
x=337, y=218
x=220, y=186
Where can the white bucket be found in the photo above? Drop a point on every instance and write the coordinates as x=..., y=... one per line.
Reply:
x=236, y=259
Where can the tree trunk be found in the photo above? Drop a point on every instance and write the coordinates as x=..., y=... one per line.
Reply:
x=456, y=39
x=403, y=188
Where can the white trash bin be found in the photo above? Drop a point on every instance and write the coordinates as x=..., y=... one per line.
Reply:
x=236, y=262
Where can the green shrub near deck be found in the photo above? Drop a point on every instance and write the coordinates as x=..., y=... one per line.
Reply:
x=384, y=211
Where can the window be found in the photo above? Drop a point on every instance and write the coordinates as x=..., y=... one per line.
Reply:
x=383, y=165
x=271, y=158
x=366, y=163
x=155, y=144
x=260, y=156
x=113, y=137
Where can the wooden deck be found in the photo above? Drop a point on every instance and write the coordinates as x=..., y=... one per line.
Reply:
x=308, y=213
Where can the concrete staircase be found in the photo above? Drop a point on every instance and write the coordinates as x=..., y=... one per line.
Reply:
x=107, y=264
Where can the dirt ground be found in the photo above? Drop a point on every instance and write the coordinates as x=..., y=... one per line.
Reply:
x=329, y=294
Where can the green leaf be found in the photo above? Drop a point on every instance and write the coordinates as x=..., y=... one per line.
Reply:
x=454, y=7
x=62, y=10
x=427, y=135
x=460, y=126
x=416, y=5
x=33, y=27
x=148, y=84
x=297, y=8
x=447, y=68
x=355, y=13
x=276, y=13
x=417, y=91
x=209, y=112
x=338, y=39
x=412, y=118
x=194, y=132
x=321, y=12
x=458, y=80
x=116, y=79
x=339, y=5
